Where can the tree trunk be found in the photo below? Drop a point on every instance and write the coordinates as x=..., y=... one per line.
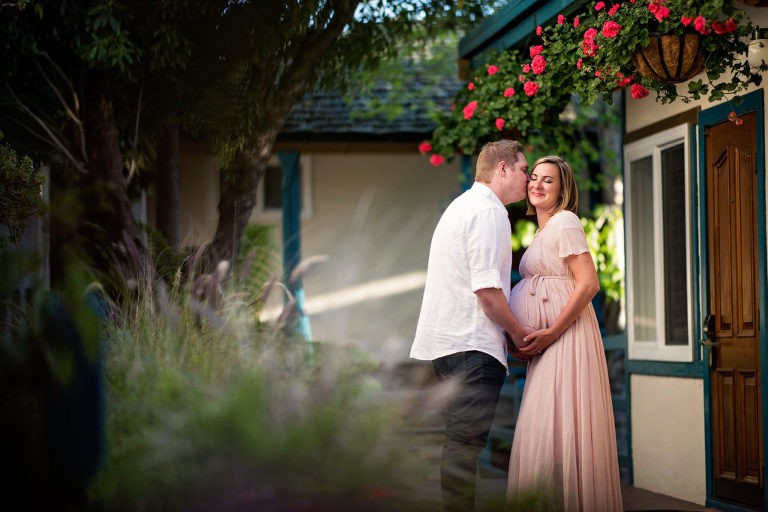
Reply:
x=167, y=193
x=238, y=197
x=238, y=190
x=109, y=207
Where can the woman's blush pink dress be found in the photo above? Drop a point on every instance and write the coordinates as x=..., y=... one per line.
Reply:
x=565, y=438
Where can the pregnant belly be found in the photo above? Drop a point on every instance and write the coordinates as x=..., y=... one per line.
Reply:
x=538, y=303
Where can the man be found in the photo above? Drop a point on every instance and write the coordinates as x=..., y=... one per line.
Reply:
x=465, y=311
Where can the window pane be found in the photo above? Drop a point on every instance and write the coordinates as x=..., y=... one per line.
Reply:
x=675, y=278
x=273, y=187
x=643, y=278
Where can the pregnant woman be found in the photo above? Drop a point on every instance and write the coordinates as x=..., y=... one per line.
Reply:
x=565, y=439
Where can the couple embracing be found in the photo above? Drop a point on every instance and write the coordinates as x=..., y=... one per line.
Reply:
x=565, y=442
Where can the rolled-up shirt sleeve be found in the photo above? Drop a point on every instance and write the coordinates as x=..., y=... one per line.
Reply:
x=483, y=250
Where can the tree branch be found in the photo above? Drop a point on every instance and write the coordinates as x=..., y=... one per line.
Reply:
x=58, y=94
x=132, y=166
x=53, y=139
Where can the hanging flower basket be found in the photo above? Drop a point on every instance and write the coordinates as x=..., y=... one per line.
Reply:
x=670, y=58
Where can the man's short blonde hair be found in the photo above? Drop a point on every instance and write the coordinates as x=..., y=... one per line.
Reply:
x=494, y=152
x=569, y=194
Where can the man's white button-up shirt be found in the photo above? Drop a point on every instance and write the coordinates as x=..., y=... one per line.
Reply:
x=471, y=249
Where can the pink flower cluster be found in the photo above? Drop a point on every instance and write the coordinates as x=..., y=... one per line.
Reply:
x=469, y=110
x=611, y=29
x=659, y=10
x=509, y=92
x=425, y=148
x=436, y=160
x=623, y=82
x=530, y=88
x=538, y=64
x=638, y=91
x=499, y=123
x=492, y=69
x=588, y=45
x=732, y=117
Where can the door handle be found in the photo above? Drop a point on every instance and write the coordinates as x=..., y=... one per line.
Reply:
x=709, y=325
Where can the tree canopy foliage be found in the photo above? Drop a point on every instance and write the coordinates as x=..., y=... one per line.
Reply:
x=104, y=90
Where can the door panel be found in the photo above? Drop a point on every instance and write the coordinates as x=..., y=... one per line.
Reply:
x=733, y=300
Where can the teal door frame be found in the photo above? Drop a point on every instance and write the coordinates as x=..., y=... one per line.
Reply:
x=753, y=102
x=291, y=190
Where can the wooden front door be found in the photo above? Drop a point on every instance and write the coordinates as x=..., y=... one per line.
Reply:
x=733, y=308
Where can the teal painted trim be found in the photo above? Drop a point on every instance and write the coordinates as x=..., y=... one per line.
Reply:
x=619, y=404
x=752, y=102
x=693, y=370
x=615, y=342
x=703, y=282
x=466, y=173
x=514, y=24
x=693, y=227
x=476, y=40
x=289, y=161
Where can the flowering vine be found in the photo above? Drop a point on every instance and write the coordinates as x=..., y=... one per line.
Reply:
x=590, y=56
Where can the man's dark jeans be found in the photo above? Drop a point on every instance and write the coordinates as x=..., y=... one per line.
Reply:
x=468, y=419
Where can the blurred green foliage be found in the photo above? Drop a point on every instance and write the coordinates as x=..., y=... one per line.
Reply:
x=20, y=193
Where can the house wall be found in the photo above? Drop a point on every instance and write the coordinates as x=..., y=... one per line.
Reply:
x=668, y=446
x=372, y=220
x=199, y=186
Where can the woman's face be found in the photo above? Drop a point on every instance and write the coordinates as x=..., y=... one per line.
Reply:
x=544, y=187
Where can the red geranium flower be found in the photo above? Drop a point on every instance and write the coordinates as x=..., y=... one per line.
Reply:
x=560, y=19
x=471, y=86
x=469, y=110
x=530, y=88
x=535, y=50
x=492, y=69
x=538, y=64
x=576, y=22
x=588, y=45
x=599, y=6
x=538, y=30
x=700, y=24
x=526, y=68
x=578, y=63
x=638, y=91
x=509, y=92
x=499, y=123
x=611, y=29
x=614, y=9
x=425, y=148
x=686, y=20
x=436, y=160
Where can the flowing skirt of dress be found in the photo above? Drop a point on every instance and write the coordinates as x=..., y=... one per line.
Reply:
x=565, y=438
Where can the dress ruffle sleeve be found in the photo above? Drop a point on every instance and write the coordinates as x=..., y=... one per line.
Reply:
x=572, y=239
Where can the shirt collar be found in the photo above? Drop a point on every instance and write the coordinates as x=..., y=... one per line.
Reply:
x=485, y=191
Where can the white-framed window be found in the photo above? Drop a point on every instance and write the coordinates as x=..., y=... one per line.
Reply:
x=269, y=195
x=657, y=209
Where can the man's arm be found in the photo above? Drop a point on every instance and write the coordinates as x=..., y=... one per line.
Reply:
x=495, y=305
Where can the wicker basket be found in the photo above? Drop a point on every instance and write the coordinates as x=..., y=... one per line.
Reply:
x=670, y=58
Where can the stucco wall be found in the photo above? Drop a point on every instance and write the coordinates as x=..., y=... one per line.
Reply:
x=199, y=186
x=372, y=218
x=668, y=447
